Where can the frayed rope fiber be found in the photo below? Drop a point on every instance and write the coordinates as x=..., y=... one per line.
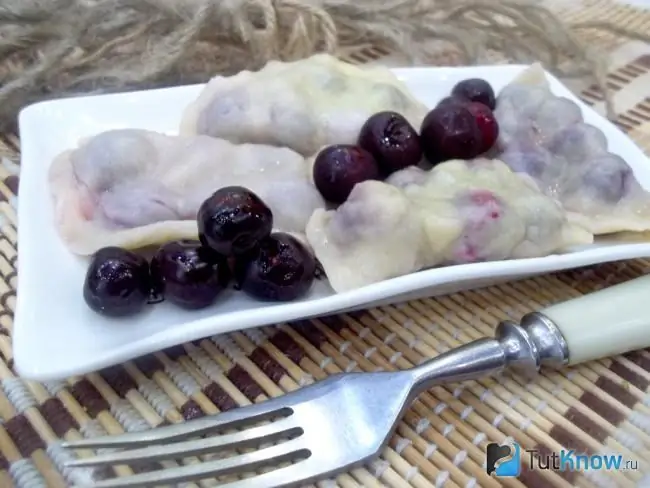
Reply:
x=57, y=48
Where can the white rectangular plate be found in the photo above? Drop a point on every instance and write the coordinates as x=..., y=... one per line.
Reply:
x=56, y=335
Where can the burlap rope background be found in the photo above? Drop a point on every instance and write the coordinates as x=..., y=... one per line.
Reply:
x=62, y=47
x=599, y=407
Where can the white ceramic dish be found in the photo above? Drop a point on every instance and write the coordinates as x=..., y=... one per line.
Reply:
x=56, y=335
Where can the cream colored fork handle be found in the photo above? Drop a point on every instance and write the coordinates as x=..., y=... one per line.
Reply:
x=605, y=323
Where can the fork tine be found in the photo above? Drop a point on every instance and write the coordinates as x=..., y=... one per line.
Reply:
x=231, y=419
x=237, y=464
x=246, y=438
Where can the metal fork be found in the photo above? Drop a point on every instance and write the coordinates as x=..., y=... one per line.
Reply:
x=336, y=424
x=347, y=419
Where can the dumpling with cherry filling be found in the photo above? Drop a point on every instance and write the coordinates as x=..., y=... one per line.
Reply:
x=459, y=212
x=373, y=236
x=133, y=188
x=545, y=137
x=489, y=213
x=303, y=105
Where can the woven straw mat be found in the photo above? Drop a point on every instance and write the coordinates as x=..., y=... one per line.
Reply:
x=599, y=407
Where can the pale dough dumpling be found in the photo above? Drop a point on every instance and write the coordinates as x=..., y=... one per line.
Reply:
x=133, y=188
x=459, y=212
x=374, y=235
x=497, y=214
x=303, y=105
x=545, y=137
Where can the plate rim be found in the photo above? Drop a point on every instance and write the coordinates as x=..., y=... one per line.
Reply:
x=409, y=283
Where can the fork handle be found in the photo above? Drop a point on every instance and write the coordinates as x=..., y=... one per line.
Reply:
x=605, y=323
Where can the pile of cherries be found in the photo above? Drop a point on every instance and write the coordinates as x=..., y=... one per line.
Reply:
x=236, y=243
x=461, y=126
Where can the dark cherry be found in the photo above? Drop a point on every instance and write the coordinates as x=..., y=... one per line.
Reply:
x=338, y=168
x=454, y=100
x=233, y=220
x=475, y=90
x=450, y=132
x=188, y=274
x=117, y=282
x=391, y=140
x=487, y=124
x=283, y=269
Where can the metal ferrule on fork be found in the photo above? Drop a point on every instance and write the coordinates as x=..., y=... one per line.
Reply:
x=522, y=348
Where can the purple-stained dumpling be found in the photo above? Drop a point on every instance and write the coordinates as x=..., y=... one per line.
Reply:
x=556, y=114
x=133, y=188
x=578, y=142
x=609, y=178
x=534, y=161
x=303, y=105
x=521, y=100
x=545, y=137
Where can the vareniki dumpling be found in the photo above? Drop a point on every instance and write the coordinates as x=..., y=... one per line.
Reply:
x=459, y=212
x=373, y=236
x=303, y=105
x=545, y=137
x=133, y=188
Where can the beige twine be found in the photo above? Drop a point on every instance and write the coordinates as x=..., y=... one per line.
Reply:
x=53, y=48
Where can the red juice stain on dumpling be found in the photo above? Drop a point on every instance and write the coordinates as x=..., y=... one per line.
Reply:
x=481, y=210
x=87, y=202
x=487, y=200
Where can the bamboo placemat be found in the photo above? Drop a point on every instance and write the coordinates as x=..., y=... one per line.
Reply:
x=601, y=407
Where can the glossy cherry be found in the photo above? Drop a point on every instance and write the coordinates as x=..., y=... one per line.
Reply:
x=475, y=90
x=487, y=124
x=189, y=274
x=391, y=140
x=450, y=132
x=282, y=269
x=233, y=220
x=117, y=283
x=337, y=169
